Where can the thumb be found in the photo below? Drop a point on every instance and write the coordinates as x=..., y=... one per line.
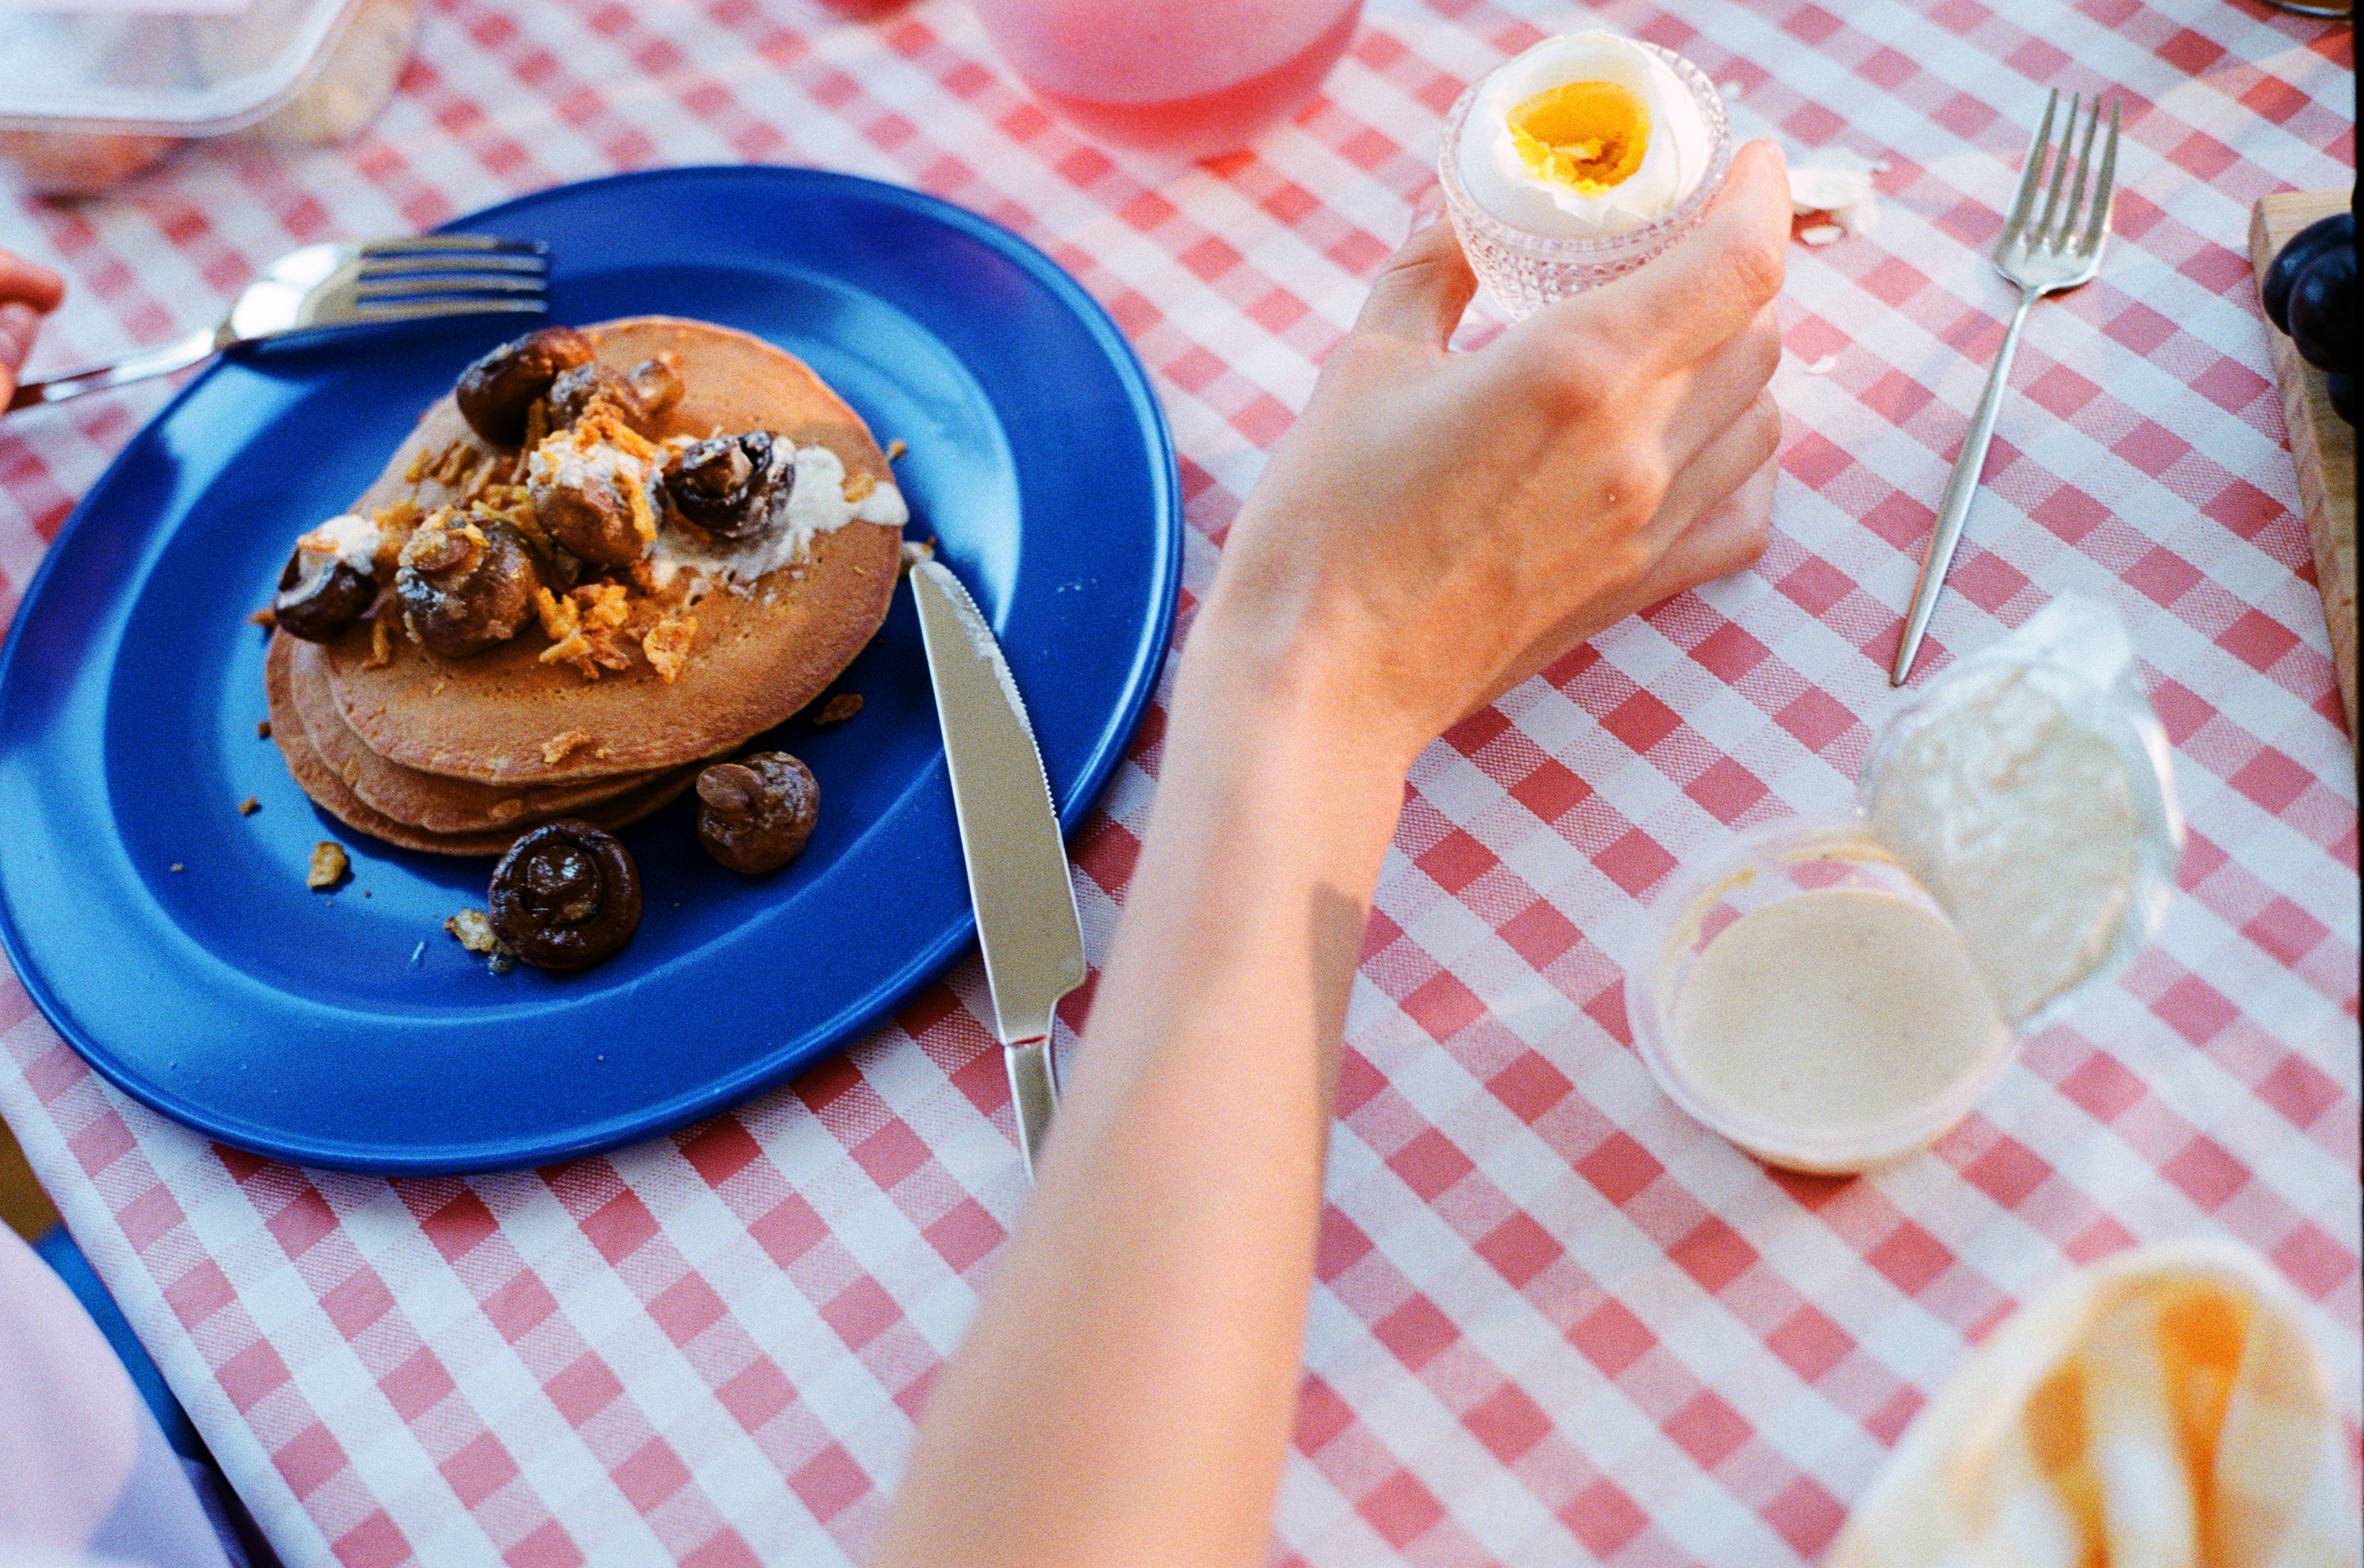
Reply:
x=1422, y=289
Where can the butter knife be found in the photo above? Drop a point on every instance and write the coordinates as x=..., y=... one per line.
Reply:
x=1026, y=921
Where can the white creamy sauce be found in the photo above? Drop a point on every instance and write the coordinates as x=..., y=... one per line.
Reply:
x=575, y=464
x=1836, y=1009
x=2020, y=822
x=816, y=505
x=352, y=539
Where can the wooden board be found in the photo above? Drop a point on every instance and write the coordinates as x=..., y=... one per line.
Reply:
x=2322, y=443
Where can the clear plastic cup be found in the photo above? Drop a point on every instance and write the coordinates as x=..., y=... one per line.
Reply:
x=1524, y=271
x=1703, y=899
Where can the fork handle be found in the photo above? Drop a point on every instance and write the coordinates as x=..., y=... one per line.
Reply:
x=1959, y=490
x=172, y=356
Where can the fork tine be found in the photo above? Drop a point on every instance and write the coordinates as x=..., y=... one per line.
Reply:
x=422, y=242
x=2067, y=238
x=385, y=313
x=380, y=265
x=2025, y=202
x=2105, y=186
x=2044, y=231
x=440, y=285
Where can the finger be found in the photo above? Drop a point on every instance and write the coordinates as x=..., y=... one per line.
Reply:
x=1718, y=510
x=1683, y=303
x=1421, y=289
x=1722, y=388
x=34, y=285
x=1730, y=537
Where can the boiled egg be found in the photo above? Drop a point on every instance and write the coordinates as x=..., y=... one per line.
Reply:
x=1580, y=136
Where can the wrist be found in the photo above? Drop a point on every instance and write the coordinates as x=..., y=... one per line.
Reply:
x=1284, y=656
x=1274, y=684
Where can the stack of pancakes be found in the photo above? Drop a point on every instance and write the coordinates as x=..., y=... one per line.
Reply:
x=460, y=755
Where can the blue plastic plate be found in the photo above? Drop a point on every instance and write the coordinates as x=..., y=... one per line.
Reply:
x=173, y=941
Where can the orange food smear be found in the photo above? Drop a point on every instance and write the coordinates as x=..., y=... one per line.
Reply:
x=1588, y=136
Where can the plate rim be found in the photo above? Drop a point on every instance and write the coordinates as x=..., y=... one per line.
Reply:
x=926, y=962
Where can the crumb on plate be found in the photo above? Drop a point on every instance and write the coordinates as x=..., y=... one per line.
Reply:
x=472, y=930
x=330, y=865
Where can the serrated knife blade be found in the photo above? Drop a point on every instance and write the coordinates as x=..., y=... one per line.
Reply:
x=1026, y=920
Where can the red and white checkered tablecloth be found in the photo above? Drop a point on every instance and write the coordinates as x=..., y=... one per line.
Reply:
x=1553, y=1319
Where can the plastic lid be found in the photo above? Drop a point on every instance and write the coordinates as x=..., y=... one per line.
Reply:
x=198, y=71
x=2029, y=790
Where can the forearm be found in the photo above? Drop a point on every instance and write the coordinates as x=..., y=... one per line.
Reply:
x=1125, y=1392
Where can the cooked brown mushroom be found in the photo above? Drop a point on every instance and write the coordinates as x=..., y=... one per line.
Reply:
x=639, y=399
x=729, y=485
x=756, y=813
x=565, y=895
x=579, y=389
x=465, y=581
x=320, y=595
x=588, y=515
x=494, y=393
x=658, y=381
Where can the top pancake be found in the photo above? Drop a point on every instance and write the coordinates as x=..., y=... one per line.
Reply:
x=762, y=651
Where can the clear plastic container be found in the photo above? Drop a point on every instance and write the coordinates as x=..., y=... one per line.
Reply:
x=2024, y=806
x=91, y=95
x=1705, y=897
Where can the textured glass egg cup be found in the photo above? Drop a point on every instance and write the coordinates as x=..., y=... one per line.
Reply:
x=1782, y=859
x=1524, y=271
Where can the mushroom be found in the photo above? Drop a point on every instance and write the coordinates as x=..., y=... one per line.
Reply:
x=565, y=895
x=320, y=594
x=590, y=516
x=639, y=399
x=658, y=381
x=494, y=393
x=466, y=582
x=754, y=815
x=728, y=487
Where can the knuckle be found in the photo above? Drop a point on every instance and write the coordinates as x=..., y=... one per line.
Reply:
x=1631, y=484
x=1753, y=271
x=1578, y=376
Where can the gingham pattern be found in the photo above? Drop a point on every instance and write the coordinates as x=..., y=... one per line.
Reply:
x=1554, y=1320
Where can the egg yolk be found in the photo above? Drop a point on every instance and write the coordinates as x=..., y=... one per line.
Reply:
x=1588, y=136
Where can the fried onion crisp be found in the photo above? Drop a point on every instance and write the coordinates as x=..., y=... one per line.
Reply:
x=329, y=865
x=559, y=618
x=555, y=749
x=667, y=645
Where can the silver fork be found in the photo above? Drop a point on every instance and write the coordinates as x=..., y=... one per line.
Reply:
x=340, y=285
x=2042, y=254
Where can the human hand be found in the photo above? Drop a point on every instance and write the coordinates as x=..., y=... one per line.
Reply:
x=28, y=293
x=1438, y=527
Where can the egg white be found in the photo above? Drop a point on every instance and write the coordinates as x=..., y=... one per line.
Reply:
x=1498, y=179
